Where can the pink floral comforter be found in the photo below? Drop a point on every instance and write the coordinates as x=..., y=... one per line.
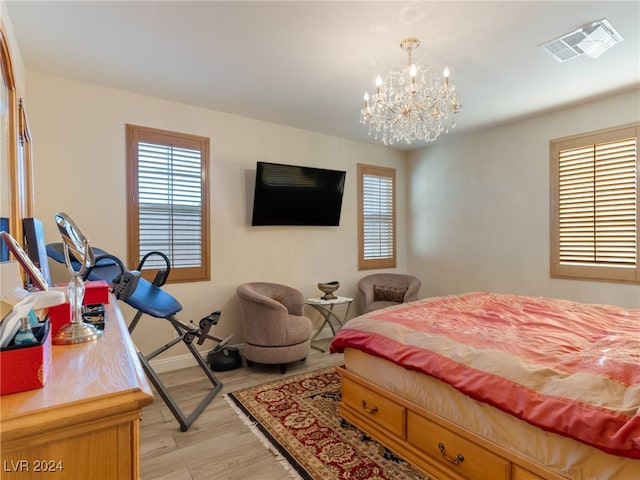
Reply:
x=567, y=367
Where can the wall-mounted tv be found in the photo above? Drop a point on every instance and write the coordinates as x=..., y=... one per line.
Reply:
x=297, y=195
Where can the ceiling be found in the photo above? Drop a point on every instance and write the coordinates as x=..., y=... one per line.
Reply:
x=307, y=64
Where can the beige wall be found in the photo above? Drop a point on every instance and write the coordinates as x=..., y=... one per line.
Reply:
x=79, y=149
x=479, y=207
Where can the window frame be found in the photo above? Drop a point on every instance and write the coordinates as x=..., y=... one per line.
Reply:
x=134, y=135
x=380, y=262
x=629, y=274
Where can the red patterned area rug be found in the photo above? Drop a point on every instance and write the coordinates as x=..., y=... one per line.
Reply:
x=298, y=418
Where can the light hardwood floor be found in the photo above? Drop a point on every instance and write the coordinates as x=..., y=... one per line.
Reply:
x=218, y=445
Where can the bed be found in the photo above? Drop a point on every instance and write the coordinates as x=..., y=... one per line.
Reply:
x=494, y=386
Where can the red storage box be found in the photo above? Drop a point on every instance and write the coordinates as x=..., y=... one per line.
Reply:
x=26, y=367
x=59, y=316
x=95, y=291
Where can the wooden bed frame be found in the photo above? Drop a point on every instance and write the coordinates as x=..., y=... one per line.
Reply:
x=432, y=444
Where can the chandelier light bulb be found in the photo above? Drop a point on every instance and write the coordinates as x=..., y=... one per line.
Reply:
x=411, y=103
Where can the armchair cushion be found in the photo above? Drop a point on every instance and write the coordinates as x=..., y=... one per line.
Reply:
x=382, y=290
x=389, y=294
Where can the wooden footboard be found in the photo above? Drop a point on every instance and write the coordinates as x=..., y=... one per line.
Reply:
x=429, y=442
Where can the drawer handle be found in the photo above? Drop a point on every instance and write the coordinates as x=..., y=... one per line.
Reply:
x=455, y=460
x=370, y=411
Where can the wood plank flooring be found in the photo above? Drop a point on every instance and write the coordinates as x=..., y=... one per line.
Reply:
x=218, y=446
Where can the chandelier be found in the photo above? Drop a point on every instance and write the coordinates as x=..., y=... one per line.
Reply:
x=411, y=104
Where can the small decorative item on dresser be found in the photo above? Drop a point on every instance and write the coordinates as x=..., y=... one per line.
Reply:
x=328, y=288
x=25, y=335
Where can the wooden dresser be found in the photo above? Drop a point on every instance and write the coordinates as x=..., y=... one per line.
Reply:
x=85, y=422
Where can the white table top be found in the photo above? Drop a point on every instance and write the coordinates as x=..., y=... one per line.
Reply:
x=335, y=301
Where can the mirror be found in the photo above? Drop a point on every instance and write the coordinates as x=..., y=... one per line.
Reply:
x=39, y=281
x=76, y=245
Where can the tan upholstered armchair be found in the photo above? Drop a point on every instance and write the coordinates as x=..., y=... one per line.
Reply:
x=381, y=290
x=275, y=328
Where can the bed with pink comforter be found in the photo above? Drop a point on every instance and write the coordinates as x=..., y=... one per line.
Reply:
x=569, y=368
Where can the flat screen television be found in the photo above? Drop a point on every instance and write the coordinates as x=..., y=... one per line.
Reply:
x=297, y=195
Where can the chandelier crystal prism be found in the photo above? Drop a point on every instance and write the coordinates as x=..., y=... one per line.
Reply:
x=411, y=104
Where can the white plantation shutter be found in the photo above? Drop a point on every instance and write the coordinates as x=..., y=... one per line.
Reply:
x=377, y=212
x=596, y=206
x=169, y=201
x=376, y=217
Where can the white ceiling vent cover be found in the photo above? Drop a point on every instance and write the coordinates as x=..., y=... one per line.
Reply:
x=592, y=40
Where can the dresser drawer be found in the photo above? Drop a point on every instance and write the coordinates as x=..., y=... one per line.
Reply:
x=456, y=454
x=374, y=407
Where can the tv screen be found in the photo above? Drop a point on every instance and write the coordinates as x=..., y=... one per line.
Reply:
x=296, y=195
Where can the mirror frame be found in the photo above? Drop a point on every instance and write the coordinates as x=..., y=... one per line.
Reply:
x=74, y=242
x=18, y=147
x=25, y=163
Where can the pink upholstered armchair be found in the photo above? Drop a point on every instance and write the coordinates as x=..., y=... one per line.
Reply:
x=275, y=328
x=381, y=290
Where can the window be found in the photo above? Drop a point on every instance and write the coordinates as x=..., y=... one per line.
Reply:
x=376, y=217
x=595, y=206
x=169, y=207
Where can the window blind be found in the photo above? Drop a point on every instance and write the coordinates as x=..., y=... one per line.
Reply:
x=170, y=204
x=597, y=219
x=377, y=217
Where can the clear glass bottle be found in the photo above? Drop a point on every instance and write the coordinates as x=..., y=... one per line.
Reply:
x=25, y=335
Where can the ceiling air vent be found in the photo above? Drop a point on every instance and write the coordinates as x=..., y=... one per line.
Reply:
x=592, y=40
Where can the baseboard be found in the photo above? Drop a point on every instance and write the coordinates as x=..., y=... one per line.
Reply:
x=168, y=364
x=161, y=365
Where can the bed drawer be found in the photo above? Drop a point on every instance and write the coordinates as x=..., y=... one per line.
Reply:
x=373, y=407
x=454, y=453
x=520, y=473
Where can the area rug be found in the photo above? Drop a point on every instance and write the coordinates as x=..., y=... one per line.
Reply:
x=297, y=418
